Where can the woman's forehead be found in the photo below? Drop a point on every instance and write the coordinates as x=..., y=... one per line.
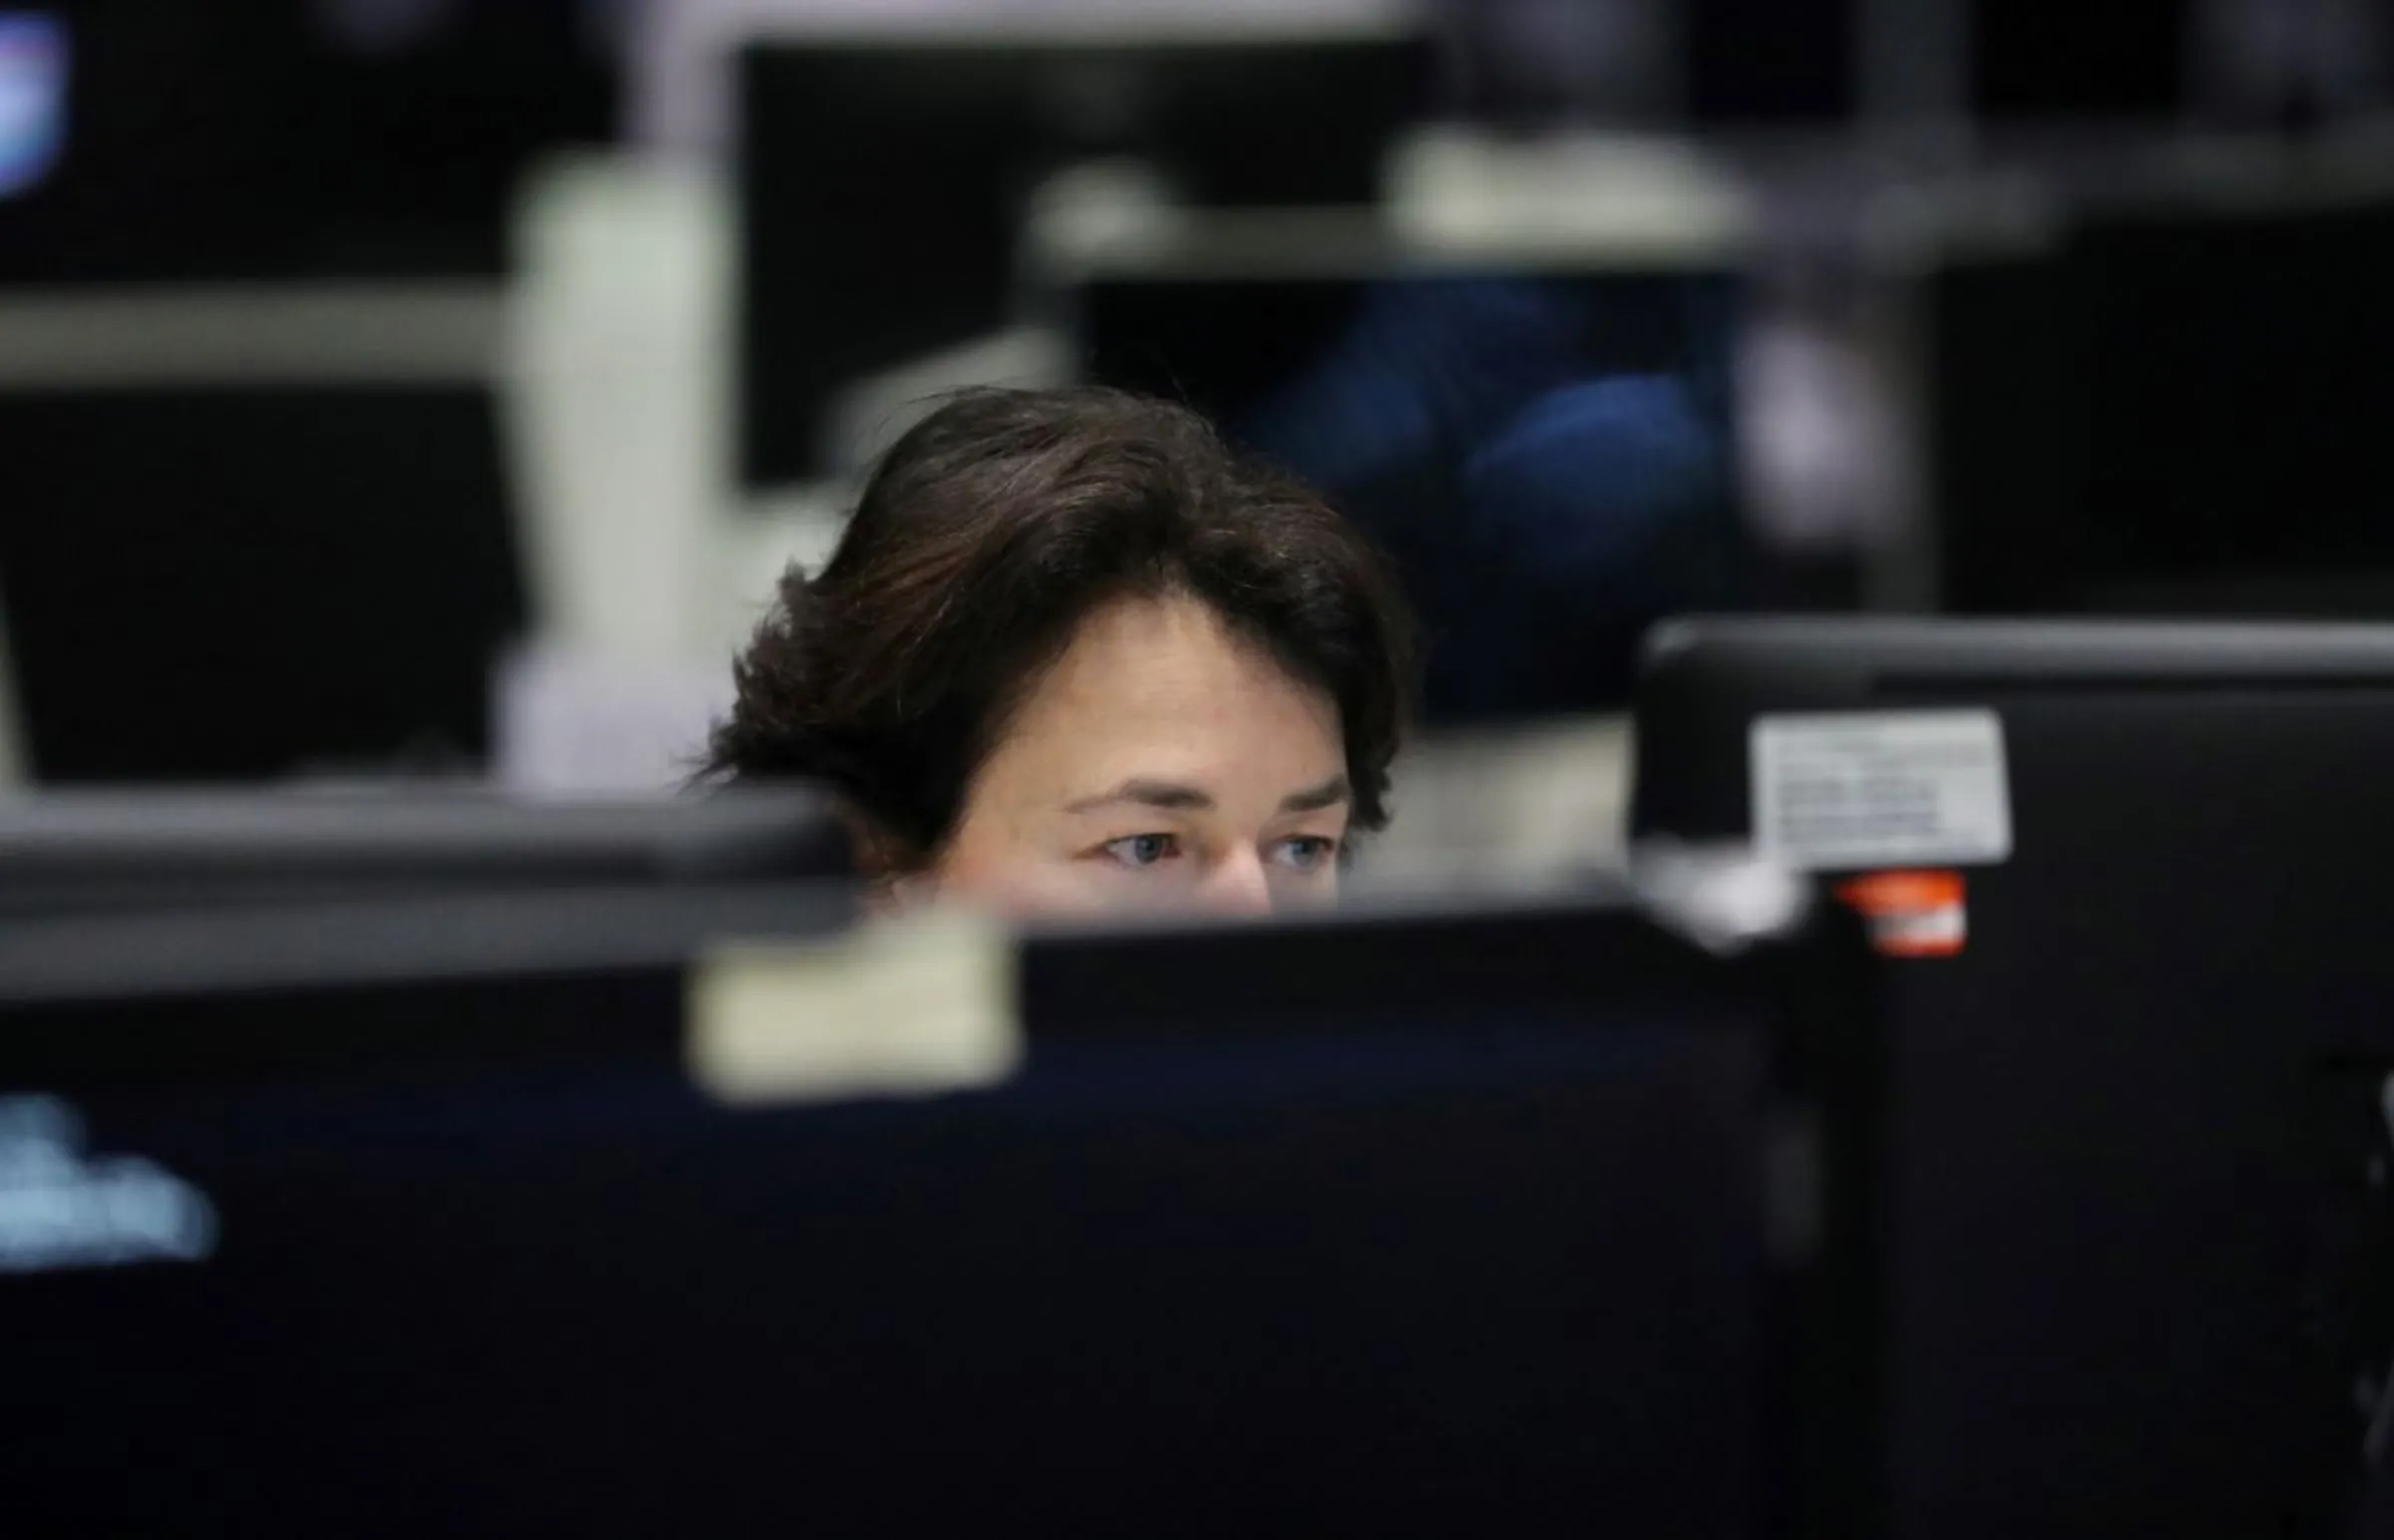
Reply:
x=1160, y=690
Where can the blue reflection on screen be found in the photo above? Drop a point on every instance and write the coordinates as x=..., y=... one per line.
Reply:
x=1548, y=456
x=34, y=53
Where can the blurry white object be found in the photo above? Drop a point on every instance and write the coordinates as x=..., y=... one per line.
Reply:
x=1527, y=803
x=918, y=1005
x=1822, y=455
x=620, y=401
x=1100, y=204
x=1459, y=191
x=1725, y=897
x=303, y=334
x=680, y=67
x=578, y=725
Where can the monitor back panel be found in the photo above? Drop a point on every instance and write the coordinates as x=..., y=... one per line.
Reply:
x=1387, y=1275
x=2115, y=1201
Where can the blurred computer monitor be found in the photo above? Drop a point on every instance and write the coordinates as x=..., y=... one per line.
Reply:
x=2134, y=875
x=1544, y=440
x=1757, y=65
x=1394, y=1223
x=1747, y=69
x=236, y=577
x=64, y=853
x=883, y=182
x=2048, y=81
x=1704, y=65
x=2121, y=65
x=2172, y=407
x=156, y=141
x=2164, y=63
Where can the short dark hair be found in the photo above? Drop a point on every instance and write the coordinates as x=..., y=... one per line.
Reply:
x=983, y=539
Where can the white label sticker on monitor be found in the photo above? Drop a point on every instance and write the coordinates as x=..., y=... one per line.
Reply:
x=1881, y=789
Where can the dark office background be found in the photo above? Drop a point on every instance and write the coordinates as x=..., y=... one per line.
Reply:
x=2164, y=400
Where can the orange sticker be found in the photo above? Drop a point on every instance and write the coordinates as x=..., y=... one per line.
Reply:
x=1912, y=914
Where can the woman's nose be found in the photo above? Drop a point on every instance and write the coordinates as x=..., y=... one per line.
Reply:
x=1237, y=885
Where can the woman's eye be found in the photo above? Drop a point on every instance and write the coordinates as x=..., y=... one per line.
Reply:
x=1309, y=853
x=1143, y=850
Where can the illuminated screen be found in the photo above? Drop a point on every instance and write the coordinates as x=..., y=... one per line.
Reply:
x=34, y=58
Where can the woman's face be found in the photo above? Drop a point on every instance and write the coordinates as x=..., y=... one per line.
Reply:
x=1160, y=763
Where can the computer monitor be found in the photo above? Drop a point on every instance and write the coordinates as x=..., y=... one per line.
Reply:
x=240, y=579
x=1702, y=65
x=1427, y=1219
x=883, y=182
x=2132, y=874
x=2123, y=65
x=2168, y=407
x=1545, y=442
x=1748, y=69
x=65, y=853
x=152, y=140
x=1752, y=65
x=2256, y=65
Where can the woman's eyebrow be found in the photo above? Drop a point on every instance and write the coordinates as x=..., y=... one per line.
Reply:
x=1165, y=796
x=1314, y=799
x=1180, y=797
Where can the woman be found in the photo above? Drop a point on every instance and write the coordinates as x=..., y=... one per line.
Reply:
x=1072, y=655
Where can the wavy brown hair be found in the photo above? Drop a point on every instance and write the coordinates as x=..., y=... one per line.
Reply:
x=985, y=535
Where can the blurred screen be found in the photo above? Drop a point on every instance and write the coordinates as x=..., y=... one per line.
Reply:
x=883, y=184
x=1548, y=456
x=1408, y=1279
x=2282, y=63
x=2172, y=408
x=1763, y=62
x=163, y=139
x=2120, y=59
x=1705, y=63
x=240, y=582
x=682, y=70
